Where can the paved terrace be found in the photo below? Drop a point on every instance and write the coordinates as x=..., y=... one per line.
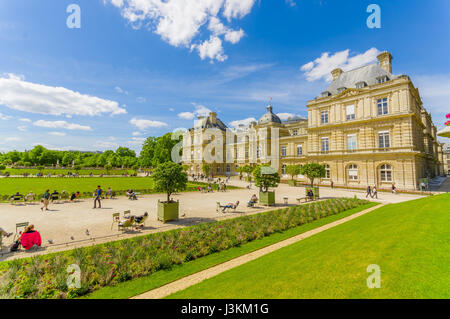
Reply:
x=66, y=220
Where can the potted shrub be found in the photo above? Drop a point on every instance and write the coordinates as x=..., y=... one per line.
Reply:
x=169, y=178
x=293, y=170
x=265, y=177
x=313, y=171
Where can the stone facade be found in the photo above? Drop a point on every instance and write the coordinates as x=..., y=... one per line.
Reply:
x=368, y=128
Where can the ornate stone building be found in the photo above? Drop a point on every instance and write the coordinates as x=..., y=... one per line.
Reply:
x=369, y=127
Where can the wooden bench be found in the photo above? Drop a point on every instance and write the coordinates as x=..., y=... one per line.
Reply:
x=306, y=199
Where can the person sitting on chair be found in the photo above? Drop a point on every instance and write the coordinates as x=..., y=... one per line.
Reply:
x=230, y=205
x=253, y=201
x=55, y=195
x=109, y=193
x=15, y=197
x=131, y=195
x=310, y=194
x=30, y=237
x=5, y=233
x=74, y=196
x=30, y=196
x=137, y=219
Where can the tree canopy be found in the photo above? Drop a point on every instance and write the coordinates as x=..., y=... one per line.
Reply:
x=265, y=177
x=293, y=170
x=169, y=178
x=313, y=171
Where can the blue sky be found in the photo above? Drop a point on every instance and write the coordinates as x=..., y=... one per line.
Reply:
x=139, y=68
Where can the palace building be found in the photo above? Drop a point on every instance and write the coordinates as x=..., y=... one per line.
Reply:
x=369, y=127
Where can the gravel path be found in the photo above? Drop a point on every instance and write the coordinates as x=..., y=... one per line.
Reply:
x=191, y=280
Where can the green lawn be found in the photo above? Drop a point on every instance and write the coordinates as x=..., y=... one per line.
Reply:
x=34, y=171
x=138, y=286
x=409, y=241
x=9, y=186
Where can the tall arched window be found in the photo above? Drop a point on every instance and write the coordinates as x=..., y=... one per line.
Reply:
x=386, y=173
x=353, y=172
x=327, y=171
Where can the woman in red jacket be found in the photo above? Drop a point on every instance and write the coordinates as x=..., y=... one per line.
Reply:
x=30, y=238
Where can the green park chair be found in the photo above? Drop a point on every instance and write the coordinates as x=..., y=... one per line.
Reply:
x=116, y=219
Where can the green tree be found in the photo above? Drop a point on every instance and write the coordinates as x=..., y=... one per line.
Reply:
x=265, y=177
x=169, y=178
x=35, y=154
x=108, y=168
x=147, y=152
x=163, y=149
x=125, y=152
x=313, y=171
x=14, y=156
x=293, y=170
x=206, y=169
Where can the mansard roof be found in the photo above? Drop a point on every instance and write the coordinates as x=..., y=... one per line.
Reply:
x=368, y=73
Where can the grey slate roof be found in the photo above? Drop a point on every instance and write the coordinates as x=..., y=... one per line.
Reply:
x=207, y=123
x=368, y=73
x=269, y=117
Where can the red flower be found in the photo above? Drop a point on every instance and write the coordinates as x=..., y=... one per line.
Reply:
x=448, y=116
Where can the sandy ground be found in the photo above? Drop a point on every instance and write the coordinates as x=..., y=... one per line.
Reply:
x=66, y=220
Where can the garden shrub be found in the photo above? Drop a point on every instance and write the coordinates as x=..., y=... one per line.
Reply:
x=114, y=262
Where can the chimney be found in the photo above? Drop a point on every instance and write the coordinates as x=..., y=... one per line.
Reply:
x=336, y=73
x=385, y=61
x=213, y=117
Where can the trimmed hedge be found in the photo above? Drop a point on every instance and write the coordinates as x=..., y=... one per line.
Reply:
x=114, y=262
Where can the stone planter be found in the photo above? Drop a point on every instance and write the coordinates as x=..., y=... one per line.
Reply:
x=315, y=191
x=267, y=199
x=168, y=211
x=292, y=183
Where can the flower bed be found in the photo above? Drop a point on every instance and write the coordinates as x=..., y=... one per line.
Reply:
x=114, y=262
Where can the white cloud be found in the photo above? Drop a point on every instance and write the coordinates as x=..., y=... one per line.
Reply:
x=172, y=109
x=291, y=3
x=180, y=22
x=12, y=139
x=200, y=110
x=141, y=99
x=245, y=122
x=435, y=93
x=13, y=76
x=321, y=67
x=211, y=49
x=287, y=116
x=22, y=128
x=25, y=120
x=120, y=90
x=136, y=133
x=103, y=145
x=237, y=8
x=57, y=133
x=37, y=98
x=137, y=140
x=62, y=125
x=186, y=115
x=144, y=124
x=5, y=117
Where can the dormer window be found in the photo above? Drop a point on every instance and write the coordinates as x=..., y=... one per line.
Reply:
x=361, y=85
x=383, y=79
x=295, y=132
x=341, y=89
x=325, y=94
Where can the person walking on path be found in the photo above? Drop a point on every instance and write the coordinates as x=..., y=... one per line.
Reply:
x=332, y=184
x=45, y=200
x=369, y=192
x=98, y=194
x=374, y=192
x=393, y=189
